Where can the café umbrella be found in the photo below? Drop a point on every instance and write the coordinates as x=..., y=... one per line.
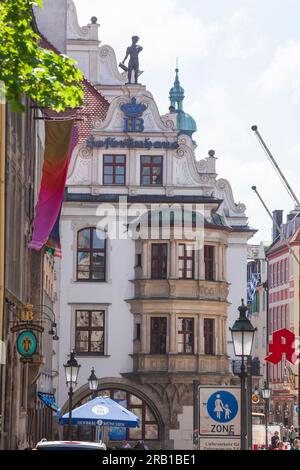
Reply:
x=102, y=411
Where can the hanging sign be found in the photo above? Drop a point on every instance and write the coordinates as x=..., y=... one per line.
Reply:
x=255, y=398
x=283, y=342
x=26, y=343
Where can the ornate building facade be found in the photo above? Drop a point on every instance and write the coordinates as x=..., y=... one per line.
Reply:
x=149, y=313
x=284, y=281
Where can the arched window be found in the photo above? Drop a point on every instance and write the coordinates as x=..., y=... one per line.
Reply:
x=91, y=255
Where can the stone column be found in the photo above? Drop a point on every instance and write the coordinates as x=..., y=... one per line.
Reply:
x=225, y=262
x=173, y=259
x=144, y=334
x=218, y=336
x=196, y=334
x=201, y=336
x=145, y=263
x=201, y=266
x=216, y=263
x=223, y=324
x=173, y=334
x=220, y=263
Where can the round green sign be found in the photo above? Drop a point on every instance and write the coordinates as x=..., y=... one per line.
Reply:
x=26, y=343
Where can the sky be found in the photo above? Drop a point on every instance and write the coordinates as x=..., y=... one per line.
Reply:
x=239, y=64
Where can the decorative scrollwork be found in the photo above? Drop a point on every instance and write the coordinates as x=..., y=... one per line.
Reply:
x=104, y=51
x=86, y=153
x=180, y=153
x=241, y=208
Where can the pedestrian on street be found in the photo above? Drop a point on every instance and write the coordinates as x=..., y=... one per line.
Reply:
x=280, y=446
x=296, y=445
x=274, y=440
x=125, y=445
x=292, y=435
x=141, y=446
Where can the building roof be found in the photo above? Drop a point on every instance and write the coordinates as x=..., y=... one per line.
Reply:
x=243, y=228
x=94, y=105
x=280, y=243
x=296, y=237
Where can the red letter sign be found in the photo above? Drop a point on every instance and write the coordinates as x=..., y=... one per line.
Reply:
x=283, y=342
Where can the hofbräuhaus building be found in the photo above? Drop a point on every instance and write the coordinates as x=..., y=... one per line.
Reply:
x=143, y=301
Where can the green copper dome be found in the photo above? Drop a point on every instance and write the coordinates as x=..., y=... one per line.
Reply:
x=185, y=123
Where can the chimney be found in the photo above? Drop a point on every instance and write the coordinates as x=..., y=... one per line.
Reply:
x=278, y=217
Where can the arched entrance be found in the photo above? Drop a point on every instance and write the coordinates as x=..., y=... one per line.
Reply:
x=150, y=429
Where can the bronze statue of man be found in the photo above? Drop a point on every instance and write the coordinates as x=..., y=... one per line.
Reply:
x=133, y=51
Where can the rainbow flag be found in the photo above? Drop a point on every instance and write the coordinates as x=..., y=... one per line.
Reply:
x=59, y=143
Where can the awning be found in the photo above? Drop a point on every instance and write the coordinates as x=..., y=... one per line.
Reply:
x=49, y=400
x=102, y=412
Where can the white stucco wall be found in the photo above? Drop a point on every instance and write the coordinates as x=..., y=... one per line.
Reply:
x=52, y=22
x=237, y=277
x=183, y=437
x=100, y=295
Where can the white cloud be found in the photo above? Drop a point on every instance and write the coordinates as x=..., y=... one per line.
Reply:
x=166, y=30
x=239, y=47
x=237, y=17
x=283, y=69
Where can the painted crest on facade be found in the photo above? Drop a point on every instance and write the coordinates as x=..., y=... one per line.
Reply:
x=133, y=111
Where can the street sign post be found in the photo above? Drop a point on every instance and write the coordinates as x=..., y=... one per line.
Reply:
x=219, y=418
x=219, y=443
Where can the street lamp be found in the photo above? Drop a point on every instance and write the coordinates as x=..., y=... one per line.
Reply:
x=71, y=372
x=93, y=383
x=242, y=334
x=266, y=394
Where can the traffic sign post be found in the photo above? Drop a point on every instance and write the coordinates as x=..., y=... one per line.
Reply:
x=219, y=418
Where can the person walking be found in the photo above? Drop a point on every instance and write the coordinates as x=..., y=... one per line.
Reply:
x=125, y=445
x=274, y=440
x=296, y=445
x=292, y=435
x=141, y=446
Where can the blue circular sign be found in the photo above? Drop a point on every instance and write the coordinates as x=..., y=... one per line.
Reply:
x=26, y=343
x=222, y=406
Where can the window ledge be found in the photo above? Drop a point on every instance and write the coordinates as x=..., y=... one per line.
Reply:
x=93, y=355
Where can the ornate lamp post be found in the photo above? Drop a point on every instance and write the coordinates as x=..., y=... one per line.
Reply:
x=266, y=394
x=93, y=383
x=71, y=372
x=242, y=334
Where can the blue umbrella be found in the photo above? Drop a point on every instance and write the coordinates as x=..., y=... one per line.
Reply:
x=102, y=411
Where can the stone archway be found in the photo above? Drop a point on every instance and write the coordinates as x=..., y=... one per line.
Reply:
x=150, y=404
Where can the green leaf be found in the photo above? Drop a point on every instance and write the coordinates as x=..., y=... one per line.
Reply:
x=48, y=78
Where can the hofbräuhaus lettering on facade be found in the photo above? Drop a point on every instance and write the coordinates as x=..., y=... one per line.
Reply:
x=112, y=142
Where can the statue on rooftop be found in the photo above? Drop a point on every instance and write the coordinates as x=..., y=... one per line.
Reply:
x=133, y=65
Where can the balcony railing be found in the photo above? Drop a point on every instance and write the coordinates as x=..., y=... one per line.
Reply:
x=178, y=288
x=176, y=363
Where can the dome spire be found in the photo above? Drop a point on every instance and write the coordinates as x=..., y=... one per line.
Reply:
x=185, y=123
x=177, y=92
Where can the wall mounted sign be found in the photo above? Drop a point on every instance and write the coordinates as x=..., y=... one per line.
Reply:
x=133, y=112
x=112, y=142
x=255, y=398
x=49, y=401
x=283, y=342
x=26, y=343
